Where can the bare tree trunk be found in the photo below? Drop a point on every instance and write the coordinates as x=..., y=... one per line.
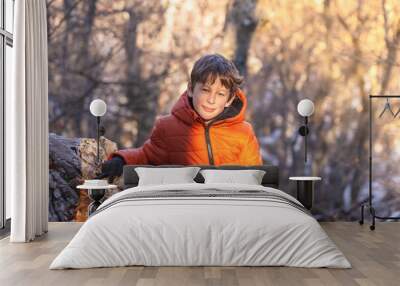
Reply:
x=133, y=91
x=85, y=62
x=63, y=177
x=358, y=175
x=68, y=5
x=141, y=93
x=391, y=47
x=242, y=18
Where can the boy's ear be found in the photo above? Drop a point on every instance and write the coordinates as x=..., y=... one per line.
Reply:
x=229, y=102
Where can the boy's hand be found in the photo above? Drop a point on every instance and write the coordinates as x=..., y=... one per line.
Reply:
x=111, y=168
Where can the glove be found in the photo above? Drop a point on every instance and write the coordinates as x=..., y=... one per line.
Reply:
x=112, y=168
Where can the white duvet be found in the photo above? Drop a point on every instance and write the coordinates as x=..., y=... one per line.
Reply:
x=181, y=231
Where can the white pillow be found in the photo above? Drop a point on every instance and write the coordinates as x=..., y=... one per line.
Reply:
x=162, y=176
x=248, y=177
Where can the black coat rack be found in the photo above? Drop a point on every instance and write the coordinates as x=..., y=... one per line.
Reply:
x=369, y=204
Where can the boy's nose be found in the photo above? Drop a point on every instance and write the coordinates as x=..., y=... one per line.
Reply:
x=211, y=98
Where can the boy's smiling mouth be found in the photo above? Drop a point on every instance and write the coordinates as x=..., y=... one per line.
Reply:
x=208, y=109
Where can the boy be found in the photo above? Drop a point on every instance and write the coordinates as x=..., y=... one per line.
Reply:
x=206, y=126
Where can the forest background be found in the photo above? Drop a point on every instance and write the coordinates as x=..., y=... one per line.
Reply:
x=137, y=56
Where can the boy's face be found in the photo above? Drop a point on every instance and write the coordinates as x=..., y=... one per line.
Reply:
x=209, y=100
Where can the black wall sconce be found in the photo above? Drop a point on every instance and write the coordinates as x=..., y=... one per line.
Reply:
x=305, y=108
x=98, y=108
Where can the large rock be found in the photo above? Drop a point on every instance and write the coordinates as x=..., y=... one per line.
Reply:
x=71, y=161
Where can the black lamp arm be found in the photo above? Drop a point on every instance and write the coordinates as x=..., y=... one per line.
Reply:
x=305, y=139
x=303, y=131
x=98, y=140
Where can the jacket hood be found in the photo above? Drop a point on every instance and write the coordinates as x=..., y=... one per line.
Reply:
x=235, y=113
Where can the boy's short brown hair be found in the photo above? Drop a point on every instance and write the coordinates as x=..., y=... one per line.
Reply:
x=209, y=67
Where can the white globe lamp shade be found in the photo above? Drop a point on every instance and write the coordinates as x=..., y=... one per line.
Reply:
x=305, y=107
x=98, y=107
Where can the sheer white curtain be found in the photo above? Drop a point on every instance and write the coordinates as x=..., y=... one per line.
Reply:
x=27, y=124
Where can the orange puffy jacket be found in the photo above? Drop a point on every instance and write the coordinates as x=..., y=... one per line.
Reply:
x=182, y=138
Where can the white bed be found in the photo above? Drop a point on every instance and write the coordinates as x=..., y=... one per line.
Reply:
x=243, y=227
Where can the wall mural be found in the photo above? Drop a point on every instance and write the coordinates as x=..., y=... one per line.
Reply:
x=147, y=60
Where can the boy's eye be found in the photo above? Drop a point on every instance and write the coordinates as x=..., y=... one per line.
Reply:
x=222, y=94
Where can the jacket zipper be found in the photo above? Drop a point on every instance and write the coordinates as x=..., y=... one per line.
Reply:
x=208, y=142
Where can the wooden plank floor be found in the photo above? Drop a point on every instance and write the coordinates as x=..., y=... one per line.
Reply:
x=375, y=257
